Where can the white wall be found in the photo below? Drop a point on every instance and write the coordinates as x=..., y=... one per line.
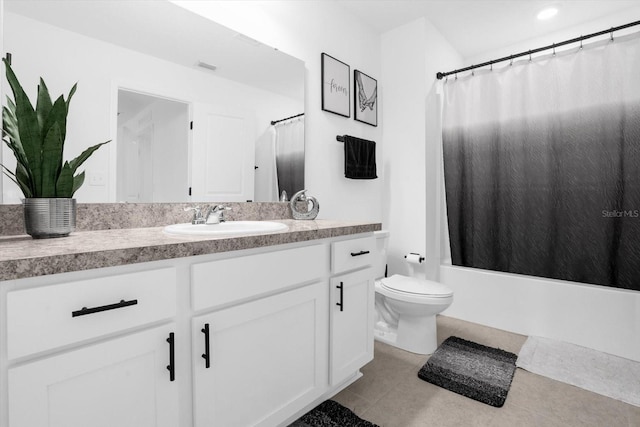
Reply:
x=63, y=58
x=599, y=317
x=411, y=56
x=305, y=29
x=170, y=121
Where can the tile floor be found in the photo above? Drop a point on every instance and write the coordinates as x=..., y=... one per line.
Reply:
x=390, y=393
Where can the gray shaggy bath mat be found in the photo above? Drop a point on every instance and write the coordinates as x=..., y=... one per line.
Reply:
x=473, y=370
x=331, y=414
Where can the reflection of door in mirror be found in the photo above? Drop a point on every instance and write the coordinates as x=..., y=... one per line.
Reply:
x=152, y=147
x=223, y=153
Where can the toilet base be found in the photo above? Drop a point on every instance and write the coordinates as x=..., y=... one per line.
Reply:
x=387, y=337
x=414, y=334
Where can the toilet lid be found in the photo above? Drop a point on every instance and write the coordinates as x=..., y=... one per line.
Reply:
x=410, y=285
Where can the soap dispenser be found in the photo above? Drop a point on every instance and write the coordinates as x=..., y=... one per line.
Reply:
x=311, y=211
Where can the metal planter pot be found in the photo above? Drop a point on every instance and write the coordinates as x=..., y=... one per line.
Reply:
x=46, y=218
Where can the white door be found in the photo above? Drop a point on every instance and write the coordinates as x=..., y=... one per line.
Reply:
x=264, y=357
x=351, y=306
x=123, y=382
x=223, y=154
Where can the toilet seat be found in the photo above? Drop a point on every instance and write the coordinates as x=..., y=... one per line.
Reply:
x=410, y=286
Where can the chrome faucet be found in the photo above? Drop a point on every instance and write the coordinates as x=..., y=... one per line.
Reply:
x=197, y=215
x=216, y=214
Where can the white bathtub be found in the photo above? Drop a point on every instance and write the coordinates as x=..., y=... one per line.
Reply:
x=598, y=317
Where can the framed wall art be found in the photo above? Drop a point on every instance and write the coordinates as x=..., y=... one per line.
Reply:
x=335, y=86
x=365, y=98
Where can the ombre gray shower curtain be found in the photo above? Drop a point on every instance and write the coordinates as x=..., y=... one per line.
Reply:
x=542, y=166
x=289, y=147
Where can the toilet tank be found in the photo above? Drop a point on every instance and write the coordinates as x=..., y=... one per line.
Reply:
x=380, y=259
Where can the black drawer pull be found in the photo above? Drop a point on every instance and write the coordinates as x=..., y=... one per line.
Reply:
x=84, y=311
x=206, y=356
x=341, y=303
x=171, y=367
x=359, y=253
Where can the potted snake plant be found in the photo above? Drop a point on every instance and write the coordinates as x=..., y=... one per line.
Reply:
x=36, y=137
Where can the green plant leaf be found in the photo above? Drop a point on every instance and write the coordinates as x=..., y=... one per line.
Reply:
x=25, y=190
x=75, y=163
x=12, y=139
x=53, y=147
x=64, y=185
x=28, y=127
x=43, y=105
x=57, y=114
x=10, y=123
x=24, y=180
x=51, y=160
x=71, y=92
x=78, y=180
x=22, y=168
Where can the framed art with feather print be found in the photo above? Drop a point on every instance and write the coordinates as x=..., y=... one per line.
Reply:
x=365, y=98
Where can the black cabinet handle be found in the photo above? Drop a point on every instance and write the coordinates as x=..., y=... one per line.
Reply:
x=359, y=253
x=84, y=311
x=341, y=303
x=206, y=356
x=172, y=357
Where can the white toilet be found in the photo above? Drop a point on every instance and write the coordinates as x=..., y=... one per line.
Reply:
x=406, y=307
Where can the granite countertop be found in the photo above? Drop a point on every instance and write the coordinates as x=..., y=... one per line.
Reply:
x=21, y=256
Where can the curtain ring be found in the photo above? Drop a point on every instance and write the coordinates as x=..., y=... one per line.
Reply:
x=611, y=33
x=473, y=73
x=529, y=55
x=491, y=64
x=554, y=49
x=511, y=62
x=456, y=76
x=581, y=38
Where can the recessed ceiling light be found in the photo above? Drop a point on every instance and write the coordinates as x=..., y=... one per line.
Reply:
x=547, y=13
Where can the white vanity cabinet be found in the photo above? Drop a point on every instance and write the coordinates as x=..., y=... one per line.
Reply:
x=59, y=375
x=256, y=361
x=243, y=338
x=122, y=382
x=351, y=307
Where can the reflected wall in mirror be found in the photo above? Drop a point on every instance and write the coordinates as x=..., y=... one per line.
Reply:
x=147, y=57
x=153, y=162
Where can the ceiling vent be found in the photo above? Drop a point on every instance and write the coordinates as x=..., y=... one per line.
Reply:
x=207, y=66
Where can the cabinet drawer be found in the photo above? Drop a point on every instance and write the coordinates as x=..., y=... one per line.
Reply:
x=352, y=254
x=217, y=283
x=52, y=316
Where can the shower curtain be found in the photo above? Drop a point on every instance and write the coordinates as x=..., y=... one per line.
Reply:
x=289, y=146
x=542, y=165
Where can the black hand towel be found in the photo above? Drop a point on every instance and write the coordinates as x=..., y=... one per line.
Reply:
x=359, y=158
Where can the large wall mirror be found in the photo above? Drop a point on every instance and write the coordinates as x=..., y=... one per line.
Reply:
x=187, y=103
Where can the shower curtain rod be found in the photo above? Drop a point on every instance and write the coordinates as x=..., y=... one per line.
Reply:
x=611, y=30
x=273, y=122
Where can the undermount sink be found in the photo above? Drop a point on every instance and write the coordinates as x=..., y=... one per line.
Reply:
x=229, y=228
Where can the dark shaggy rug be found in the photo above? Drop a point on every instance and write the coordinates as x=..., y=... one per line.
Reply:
x=331, y=414
x=473, y=370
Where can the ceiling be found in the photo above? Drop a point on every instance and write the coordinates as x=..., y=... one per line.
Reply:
x=477, y=26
